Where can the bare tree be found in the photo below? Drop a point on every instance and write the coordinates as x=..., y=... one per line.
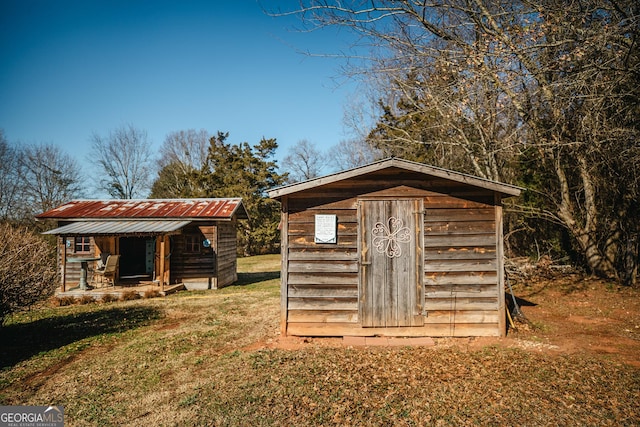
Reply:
x=9, y=179
x=182, y=156
x=303, y=162
x=353, y=153
x=48, y=178
x=187, y=147
x=555, y=84
x=124, y=157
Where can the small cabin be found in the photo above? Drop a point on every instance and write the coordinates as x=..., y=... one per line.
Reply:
x=163, y=241
x=393, y=248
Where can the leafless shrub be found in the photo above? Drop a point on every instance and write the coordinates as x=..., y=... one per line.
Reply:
x=109, y=298
x=86, y=299
x=129, y=296
x=64, y=301
x=27, y=272
x=152, y=293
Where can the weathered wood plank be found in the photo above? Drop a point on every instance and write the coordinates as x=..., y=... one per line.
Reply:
x=392, y=178
x=284, y=263
x=328, y=316
x=392, y=274
x=461, y=304
x=461, y=215
x=457, y=317
x=303, y=242
x=452, y=293
x=326, y=254
x=323, y=292
x=466, y=253
x=428, y=330
x=379, y=190
x=322, y=279
x=323, y=304
x=458, y=227
x=448, y=202
x=308, y=228
x=460, y=265
x=320, y=202
x=462, y=288
x=459, y=240
x=377, y=277
x=500, y=268
x=488, y=278
x=323, y=267
x=308, y=216
x=347, y=199
x=433, y=199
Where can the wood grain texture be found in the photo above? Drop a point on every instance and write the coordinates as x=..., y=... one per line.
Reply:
x=450, y=278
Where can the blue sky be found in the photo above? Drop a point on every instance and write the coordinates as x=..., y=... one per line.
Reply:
x=73, y=68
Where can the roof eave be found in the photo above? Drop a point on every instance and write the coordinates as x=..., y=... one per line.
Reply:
x=505, y=189
x=239, y=212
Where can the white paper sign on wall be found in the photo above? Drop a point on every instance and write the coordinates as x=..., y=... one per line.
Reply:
x=326, y=229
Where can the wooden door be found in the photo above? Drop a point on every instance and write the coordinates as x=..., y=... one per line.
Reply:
x=391, y=291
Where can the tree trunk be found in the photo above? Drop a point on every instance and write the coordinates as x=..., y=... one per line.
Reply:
x=585, y=233
x=631, y=261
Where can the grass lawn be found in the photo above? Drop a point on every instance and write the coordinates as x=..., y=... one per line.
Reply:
x=206, y=358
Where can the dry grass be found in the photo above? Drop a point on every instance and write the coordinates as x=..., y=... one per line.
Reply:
x=206, y=358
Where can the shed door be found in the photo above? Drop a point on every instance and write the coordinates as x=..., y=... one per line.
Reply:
x=391, y=263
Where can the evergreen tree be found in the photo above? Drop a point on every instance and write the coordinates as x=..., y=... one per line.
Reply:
x=248, y=172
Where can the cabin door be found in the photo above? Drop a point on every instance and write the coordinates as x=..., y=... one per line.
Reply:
x=391, y=262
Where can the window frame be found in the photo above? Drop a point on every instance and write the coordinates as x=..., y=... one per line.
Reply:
x=81, y=244
x=192, y=243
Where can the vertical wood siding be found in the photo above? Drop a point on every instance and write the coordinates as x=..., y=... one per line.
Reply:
x=391, y=291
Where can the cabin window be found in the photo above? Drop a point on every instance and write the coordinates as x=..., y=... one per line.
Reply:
x=82, y=244
x=192, y=243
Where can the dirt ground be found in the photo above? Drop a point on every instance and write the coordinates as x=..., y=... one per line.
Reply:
x=571, y=313
x=562, y=313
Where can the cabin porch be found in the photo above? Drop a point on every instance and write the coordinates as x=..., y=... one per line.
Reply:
x=122, y=287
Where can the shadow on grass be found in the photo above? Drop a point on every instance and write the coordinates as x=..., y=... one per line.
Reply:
x=24, y=340
x=245, y=279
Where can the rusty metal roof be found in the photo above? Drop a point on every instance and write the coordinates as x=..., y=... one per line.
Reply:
x=218, y=208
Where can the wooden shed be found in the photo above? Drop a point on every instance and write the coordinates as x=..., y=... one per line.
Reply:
x=393, y=248
x=163, y=241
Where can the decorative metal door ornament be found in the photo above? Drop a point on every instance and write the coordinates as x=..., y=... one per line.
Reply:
x=386, y=237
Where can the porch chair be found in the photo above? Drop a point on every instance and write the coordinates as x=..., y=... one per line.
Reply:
x=108, y=273
x=102, y=261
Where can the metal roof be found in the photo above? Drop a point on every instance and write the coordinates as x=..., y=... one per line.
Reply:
x=118, y=227
x=214, y=208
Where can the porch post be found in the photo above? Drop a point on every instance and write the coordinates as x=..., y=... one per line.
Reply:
x=162, y=249
x=63, y=260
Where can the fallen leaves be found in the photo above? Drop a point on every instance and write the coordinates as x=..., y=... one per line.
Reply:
x=203, y=359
